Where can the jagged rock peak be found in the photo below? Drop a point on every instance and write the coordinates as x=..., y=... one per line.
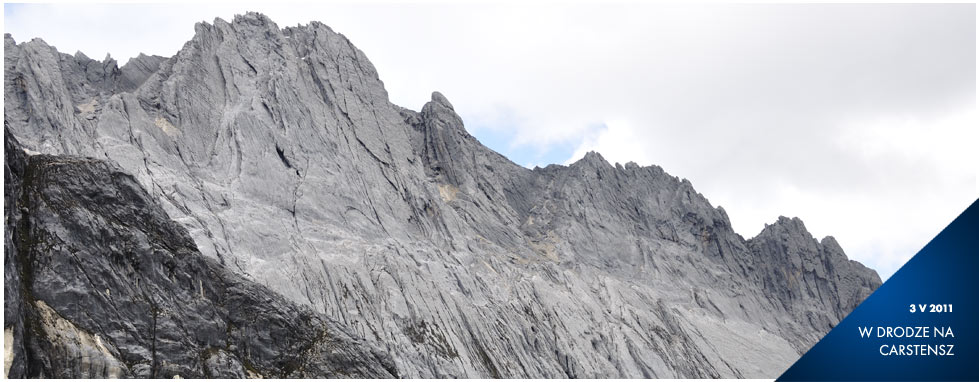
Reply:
x=440, y=99
x=254, y=20
x=592, y=158
x=439, y=113
x=259, y=22
x=793, y=226
x=830, y=243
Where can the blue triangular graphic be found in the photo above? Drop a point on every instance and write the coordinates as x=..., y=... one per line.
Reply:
x=945, y=272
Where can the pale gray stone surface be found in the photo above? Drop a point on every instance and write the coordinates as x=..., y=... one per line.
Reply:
x=279, y=152
x=107, y=286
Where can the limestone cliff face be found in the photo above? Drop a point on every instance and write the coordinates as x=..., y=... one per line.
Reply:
x=279, y=154
x=101, y=283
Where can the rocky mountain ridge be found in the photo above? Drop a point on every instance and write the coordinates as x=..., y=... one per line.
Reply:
x=99, y=283
x=279, y=153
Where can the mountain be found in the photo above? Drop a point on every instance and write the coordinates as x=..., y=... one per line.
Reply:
x=271, y=162
x=99, y=282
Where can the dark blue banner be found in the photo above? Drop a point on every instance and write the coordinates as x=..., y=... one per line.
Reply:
x=920, y=325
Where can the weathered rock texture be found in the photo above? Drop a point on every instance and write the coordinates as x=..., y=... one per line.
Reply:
x=279, y=153
x=101, y=283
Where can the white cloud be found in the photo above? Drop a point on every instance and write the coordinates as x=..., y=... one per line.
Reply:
x=618, y=141
x=856, y=118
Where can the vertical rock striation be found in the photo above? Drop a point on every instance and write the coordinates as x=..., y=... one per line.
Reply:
x=282, y=161
x=102, y=284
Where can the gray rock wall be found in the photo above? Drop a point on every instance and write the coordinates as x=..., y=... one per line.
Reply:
x=105, y=285
x=280, y=154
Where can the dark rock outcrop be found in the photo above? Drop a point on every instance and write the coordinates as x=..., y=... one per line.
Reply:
x=101, y=283
x=283, y=162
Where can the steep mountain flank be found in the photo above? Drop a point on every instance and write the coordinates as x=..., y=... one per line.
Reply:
x=279, y=154
x=100, y=283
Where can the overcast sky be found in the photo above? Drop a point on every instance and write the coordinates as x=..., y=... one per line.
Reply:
x=859, y=119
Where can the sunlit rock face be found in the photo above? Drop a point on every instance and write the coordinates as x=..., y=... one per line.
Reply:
x=105, y=285
x=275, y=160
